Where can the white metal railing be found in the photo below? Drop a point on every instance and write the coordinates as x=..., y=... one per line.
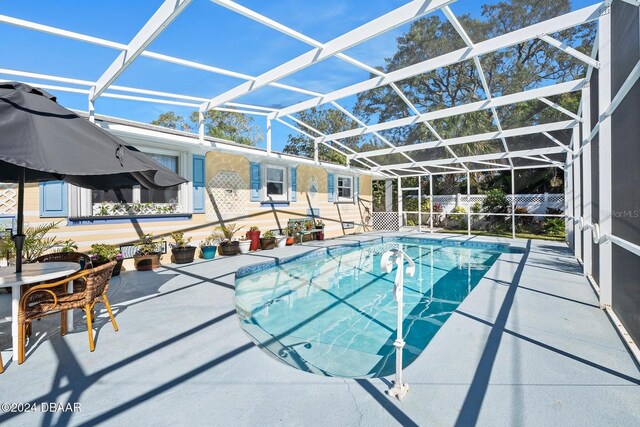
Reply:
x=389, y=259
x=598, y=238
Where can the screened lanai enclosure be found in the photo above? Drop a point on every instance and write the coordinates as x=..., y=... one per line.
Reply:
x=473, y=128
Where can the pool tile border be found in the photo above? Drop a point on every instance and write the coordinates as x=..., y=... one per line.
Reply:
x=346, y=247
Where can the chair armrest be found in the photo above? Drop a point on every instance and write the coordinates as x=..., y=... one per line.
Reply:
x=47, y=286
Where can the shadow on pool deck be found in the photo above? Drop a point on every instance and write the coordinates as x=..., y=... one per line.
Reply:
x=528, y=346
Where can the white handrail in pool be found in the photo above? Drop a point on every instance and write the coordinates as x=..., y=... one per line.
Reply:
x=389, y=258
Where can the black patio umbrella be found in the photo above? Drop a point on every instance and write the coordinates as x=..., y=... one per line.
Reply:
x=42, y=141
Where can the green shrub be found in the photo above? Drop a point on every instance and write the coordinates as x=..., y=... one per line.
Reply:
x=457, y=218
x=495, y=201
x=524, y=224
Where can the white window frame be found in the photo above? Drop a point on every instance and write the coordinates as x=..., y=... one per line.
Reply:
x=285, y=184
x=81, y=200
x=337, y=189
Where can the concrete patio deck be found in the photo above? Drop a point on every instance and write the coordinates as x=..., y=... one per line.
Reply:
x=529, y=346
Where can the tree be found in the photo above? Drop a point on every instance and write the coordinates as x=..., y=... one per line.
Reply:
x=172, y=121
x=232, y=126
x=228, y=125
x=508, y=70
x=326, y=121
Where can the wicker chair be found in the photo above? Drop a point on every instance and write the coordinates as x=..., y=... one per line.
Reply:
x=46, y=298
x=82, y=259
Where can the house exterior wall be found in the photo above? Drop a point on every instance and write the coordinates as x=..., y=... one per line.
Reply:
x=237, y=207
x=122, y=231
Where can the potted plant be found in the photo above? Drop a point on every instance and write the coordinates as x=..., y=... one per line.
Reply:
x=254, y=236
x=290, y=239
x=268, y=240
x=102, y=254
x=228, y=246
x=209, y=246
x=308, y=224
x=244, y=245
x=183, y=252
x=147, y=255
x=68, y=246
x=320, y=226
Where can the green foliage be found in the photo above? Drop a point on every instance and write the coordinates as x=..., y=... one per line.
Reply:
x=268, y=234
x=101, y=252
x=36, y=241
x=326, y=121
x=211, y=240
x=476, y=207
x=7, y=248
x=228, y=230
x=227, y=125
x=147, y=245
x=495, y=201
x=554, y=226
x=524, y=224
x=513, y=69
x=172, y=120
x=68, y=246
x=179, y=241
x=457, y=218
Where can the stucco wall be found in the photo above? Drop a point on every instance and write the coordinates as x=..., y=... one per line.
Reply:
x=266, y=217
x=202, y=225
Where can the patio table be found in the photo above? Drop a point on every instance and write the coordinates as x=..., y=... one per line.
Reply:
x=33, y=273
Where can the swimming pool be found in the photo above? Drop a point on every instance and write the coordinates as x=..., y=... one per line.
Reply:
x=333, y=312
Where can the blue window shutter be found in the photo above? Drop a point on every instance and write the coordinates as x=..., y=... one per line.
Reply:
x=330, y=189
x=53, y=199
x=357, y=186
x=294, y=184
x=256, y=185
x=198, y=183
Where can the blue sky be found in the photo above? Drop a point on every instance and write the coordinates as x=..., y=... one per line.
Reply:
x=206, y=33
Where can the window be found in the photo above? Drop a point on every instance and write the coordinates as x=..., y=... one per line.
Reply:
x=137, y=200
x=169, y=195
x=345, y=187
x=276, y=183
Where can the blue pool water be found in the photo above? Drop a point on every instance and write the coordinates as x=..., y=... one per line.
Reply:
x=335, y=314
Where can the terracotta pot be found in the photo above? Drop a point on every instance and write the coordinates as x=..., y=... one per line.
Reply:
x=290, y=240
x=254, y=236
x=146, y=262
x=184, y=255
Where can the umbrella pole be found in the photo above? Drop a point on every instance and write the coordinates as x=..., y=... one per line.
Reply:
x=18, y=238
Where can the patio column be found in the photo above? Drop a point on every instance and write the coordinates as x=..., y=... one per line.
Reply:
x=92, y=111
x=513, y=203
x=577, y=197
x=400, y=203
x=430, y=203
x=269, y=136
x=604, y=154
x=570, y=221
x=586, y=181
x=201, y=127
x=388, y=195
x=419, y=204
x=468, y=204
